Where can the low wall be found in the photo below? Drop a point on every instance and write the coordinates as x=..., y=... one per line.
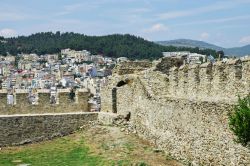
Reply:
x=131, y=67
x=21, y=129
x=64, y=104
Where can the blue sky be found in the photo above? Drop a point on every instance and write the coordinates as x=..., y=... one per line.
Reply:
x=222, y=22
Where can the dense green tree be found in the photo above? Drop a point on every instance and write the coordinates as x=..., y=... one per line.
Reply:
x=2, y=49
x=239, y=121
x=115, y=45
x=220, y=54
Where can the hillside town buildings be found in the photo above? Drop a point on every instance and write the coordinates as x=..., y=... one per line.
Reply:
x=68, y=70
x=190, y=58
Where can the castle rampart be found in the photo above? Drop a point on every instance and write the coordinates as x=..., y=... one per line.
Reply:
x=44, y=104
x=185, y=111
x=23, y=129
x=219, y=81
x=129, y=67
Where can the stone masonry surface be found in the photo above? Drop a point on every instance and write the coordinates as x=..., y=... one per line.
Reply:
x=185, y=112
x=22, y=129
x=64, y=104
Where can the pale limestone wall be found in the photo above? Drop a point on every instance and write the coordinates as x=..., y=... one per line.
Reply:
x=64, y=104
x=131, y=67
x=182, y=81
x=106, y=97
x=173, y=82
x=205, y=76
x=217, y=82
x=189, y=130
x=186, y=112
x=245, y=75
x=22, y=129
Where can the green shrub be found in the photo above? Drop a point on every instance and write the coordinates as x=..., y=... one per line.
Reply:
x=239, y=120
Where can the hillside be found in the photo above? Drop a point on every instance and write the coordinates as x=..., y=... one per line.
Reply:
x=189, y=43
x=241, y=51
x=237, y=51
x=115, y=45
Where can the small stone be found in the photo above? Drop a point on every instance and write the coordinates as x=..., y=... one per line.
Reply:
x=157, y=150
x=16, y=161
x=122, y=129
x=23, y=165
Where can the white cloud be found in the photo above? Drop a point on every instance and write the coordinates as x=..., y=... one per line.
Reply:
x=219, y=20
x=82, y=6
x=8, y=32
x=6, y=16
x=220, y=5
x=70, y=8
x=139, y=10
x=245, y=40
x=156, y=28
x=191, y=12
x=204, y=35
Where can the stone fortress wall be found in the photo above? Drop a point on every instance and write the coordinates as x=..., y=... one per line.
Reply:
x=43, y=105
x=24, y=122
x=23, y=129
x=129, y=67
x=185, y=110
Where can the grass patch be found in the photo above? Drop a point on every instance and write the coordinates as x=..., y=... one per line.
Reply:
x=105, y=146
x=129, y=146
x=63, y=151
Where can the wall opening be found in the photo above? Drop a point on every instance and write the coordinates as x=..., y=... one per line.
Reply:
x=127, y=117
x=121, y=83
x=72, y=95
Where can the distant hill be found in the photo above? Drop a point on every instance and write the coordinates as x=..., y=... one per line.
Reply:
x=115, y=45
x=236, y=51
x=241, y=51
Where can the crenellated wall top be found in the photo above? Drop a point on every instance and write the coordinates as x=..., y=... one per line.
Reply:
x=229, y=63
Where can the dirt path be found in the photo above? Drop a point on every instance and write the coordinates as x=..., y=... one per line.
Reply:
x=112, y=143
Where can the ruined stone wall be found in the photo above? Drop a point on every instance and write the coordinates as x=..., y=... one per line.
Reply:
x=82, y=101
x=186, y=112
x=22, y=129
x=3, y=102
x=64, y=104
x=131, y=67
x=210, y=82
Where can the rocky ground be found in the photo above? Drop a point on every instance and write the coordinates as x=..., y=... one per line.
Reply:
x=93, y=144
x=122, y=144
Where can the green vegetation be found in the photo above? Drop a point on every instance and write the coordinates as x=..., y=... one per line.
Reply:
x=62, y=151
x=127, y=163
x=129, y=146
x=66, y=151
x=239, y=121
x=115, y=45
x=90, y=146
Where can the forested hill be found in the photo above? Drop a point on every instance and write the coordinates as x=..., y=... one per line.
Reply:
x=111, y=45
x=235, y=51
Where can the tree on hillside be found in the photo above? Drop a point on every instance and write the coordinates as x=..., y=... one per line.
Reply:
x=116, y=45
x=220, y=54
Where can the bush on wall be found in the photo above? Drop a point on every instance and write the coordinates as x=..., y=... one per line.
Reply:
x=239, y=121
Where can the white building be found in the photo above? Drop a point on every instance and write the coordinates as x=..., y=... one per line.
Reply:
x=176, y=54
x=190, y=58
x=194, y=58
x=122, y=59
x=78, y=56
